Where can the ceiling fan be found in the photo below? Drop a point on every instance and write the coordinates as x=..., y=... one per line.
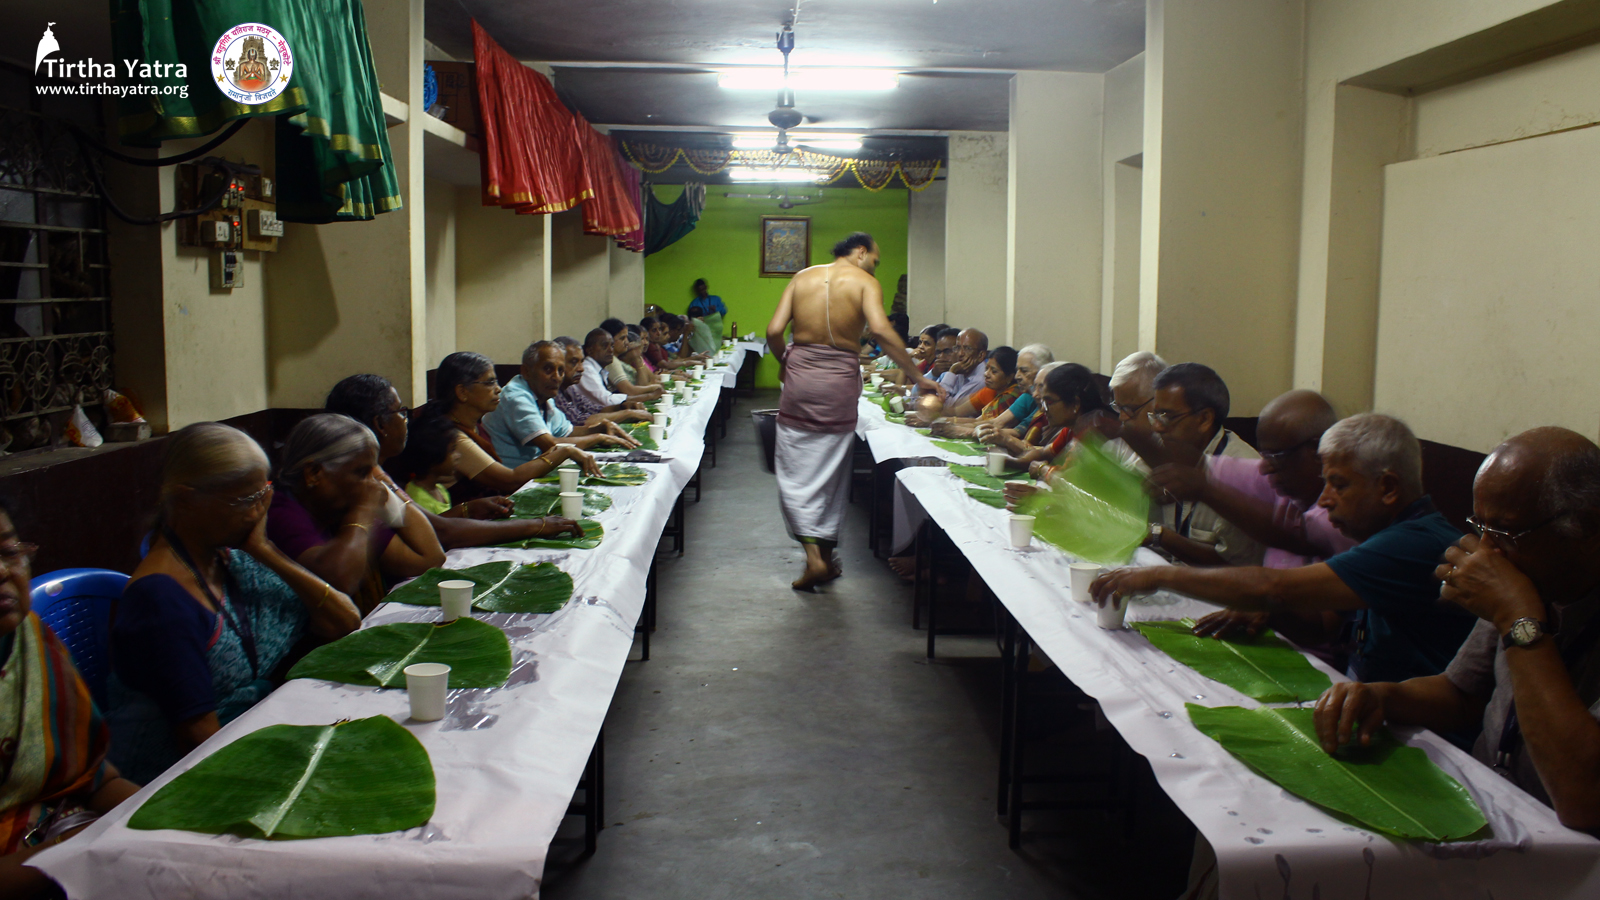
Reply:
x=782, y=196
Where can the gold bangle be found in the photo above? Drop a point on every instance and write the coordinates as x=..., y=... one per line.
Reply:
x=356, y=525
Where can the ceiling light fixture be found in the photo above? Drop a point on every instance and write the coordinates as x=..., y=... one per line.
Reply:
x=785, y=174
x=812, y=79
x=761, y=141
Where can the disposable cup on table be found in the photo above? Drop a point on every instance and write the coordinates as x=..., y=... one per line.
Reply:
x=660, y=418
x=667, y=399
x=877, y=382
x=1111, y=615
x=1021, y=530
x=683, y=390
x=657, y=432
x=455, y=599
x=997, y=462
x=569, y=478
x=572, y=504
x=426, y=685
x=898, y=404
x=1083, y=575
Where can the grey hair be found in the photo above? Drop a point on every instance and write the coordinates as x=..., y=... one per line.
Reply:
x=208, y=456
x=327, y=440
x=566, y=341
x=1040, y=353
x=1571, y=484
x=1142, y=366
x=1046, y=369
x=1375, y=443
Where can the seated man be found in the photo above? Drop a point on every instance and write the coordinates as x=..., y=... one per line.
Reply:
x=1133, y=388
x=941, y=353
x=577, y=406
x=623, y=376
x=1528, y=672
x=1186, y=412
x=599, y=351
x=1373, y=467
x=527, y=422
x=965, y=377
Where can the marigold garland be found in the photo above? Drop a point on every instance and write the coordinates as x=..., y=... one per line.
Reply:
x=873, y=174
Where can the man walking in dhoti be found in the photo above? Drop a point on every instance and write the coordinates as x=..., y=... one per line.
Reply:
x=821, y=374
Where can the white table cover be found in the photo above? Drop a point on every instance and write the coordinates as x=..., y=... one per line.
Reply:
x=889, y=440
x=1269, y=843
x=506, y=760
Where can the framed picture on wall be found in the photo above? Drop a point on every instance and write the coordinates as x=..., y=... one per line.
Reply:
x=785, y=245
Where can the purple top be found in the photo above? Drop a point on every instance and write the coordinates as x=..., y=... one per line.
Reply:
x=291, y=527
x=1312, y=525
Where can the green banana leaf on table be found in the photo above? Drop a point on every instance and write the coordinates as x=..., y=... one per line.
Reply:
x=542, y=500
x=979, y=476
x=593, y=534
x=896, y=418
x=1096, y=510
x=478, y=654
x=611, y=475
x=987, y=497
x=1261, y=667
x=502, y=586
x=882, y=402
x=1387, y=787
x=965, y=448
x=640, y=431
x=369, y=776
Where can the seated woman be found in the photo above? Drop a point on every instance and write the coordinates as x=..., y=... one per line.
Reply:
x=337, y=515
x=629, y=348
x=921, y=351
x=658, y=334
x=213, y=609
x=430, y=458
x=466, y=390
x=57, y=779
x=1000, y=391
x=372, y=401
x=1030, y=360
x=1067, y=393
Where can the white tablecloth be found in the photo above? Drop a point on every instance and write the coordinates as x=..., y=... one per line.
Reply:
x=506, y=760
x=1261, y=833
x=889, y=440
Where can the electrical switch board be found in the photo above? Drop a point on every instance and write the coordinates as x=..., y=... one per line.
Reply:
x=245, y=217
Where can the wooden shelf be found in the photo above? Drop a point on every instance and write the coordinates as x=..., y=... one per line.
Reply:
x=395, y=111
x=449, y=154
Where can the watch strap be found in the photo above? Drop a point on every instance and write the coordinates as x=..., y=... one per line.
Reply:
x=1541, y=631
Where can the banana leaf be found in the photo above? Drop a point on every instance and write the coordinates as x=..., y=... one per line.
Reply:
x=1387, y=787
x=996, y=499
x=611, y=475
x=896, y=418
x=370, y=776
x=502, y=586
x=478, y=654
x=965, y=448
x=882, y=402
x=545, y=500
x=640, y=431
x=979, y=476
x=1096, y=510
x=593, y=534
x=1262, y=667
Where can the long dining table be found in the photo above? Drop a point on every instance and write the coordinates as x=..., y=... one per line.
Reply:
x=506, y=760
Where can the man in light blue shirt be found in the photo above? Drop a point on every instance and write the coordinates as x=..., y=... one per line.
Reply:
x=965, y=377
x=527, y=422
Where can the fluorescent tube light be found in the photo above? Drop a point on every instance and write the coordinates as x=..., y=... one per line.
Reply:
x=769, y=78
x=824, y=141
x=848, y=146
x=787, y=174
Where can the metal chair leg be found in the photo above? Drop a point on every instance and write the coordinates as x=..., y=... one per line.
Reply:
x=1018, y=719
x=1007, y=710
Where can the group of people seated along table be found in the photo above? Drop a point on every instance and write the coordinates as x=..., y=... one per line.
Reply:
x=1323, y=531
x=251, y=565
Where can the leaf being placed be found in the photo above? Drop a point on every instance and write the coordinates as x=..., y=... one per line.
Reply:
x=1262, y=667
x=370, y=776
x=618, y=475
x=640, y=431
x=1096, y=509
x=502, y=586
x=540, y=500
x=965, y=448
x=593, y=534
x=1388, y=787
x=478, y=654
x=987, y=497
x=979, y=476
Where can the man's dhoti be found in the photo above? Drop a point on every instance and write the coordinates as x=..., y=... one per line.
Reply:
x=816, y=434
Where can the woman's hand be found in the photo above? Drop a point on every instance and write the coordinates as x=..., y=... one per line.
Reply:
x=563, y=452
x=487, y=508
x=257, y=544
x=371, y=498
x=1016, y=492
x=555, y=526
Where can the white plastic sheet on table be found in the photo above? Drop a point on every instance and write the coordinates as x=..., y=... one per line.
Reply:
x=1269, y=843
x=506, y=760
x=889, y=440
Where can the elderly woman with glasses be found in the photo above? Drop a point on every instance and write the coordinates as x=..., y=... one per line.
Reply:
x=214, y=608
x=1068, y=400
x=466, y=390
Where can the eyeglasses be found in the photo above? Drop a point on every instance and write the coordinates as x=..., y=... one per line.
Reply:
x=252, y=499
x=1276, y=457
x=1167, y=420
x=1500, y=535
x=19, y=554
x=1130, y=411
x=403, y=412
x=492, y=382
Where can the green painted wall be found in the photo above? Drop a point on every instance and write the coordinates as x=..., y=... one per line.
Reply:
x=725, y=250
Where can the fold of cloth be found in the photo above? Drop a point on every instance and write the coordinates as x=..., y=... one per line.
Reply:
x=531, y=159
x=821, y=385
x=813, y=470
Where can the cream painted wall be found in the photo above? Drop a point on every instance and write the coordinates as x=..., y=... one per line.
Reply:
x=1053, y=226
x=626, y=295
x=1121, y=139
x=439, y=243
x=1221, y=189
x=975, y=233
x=925, y=256
x=580, y=276
x=1490, y=306
x=499, y=278
x=1549, y=95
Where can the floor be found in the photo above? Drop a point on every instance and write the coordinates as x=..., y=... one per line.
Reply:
x=785, y=745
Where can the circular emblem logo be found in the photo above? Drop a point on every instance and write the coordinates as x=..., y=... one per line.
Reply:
x=251, y=63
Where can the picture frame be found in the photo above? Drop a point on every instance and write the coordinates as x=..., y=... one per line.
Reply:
x=785, y=245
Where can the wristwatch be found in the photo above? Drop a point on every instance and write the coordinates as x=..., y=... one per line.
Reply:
x=1156, y=528
x=1525, y=632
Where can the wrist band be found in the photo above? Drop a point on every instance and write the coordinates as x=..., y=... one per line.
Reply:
x=356, y=525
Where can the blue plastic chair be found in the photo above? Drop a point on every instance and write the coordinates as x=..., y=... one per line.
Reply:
x=76, y=604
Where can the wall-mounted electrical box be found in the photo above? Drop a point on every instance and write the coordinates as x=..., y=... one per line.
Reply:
x=227, y=270
x=245, y=219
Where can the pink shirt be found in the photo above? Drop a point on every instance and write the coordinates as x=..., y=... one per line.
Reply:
x=1312, y=525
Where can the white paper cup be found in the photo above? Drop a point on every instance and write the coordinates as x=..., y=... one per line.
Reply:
x=1083, y=575
x=455, y=599
x=1110, y=616
x=898, y=404
x=877, y=381
x=683, y=390
x=571, y=505
x=657, y=432
x=569, y=479
x=426, y=684
x=997, y=462
x=666, y=400
x=660, y=418
x=1021, y=530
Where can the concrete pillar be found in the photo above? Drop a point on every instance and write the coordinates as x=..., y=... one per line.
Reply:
x=626, y=296
x=501, y=271
x=580, y=275
x=975, y=233
x=1221, y=189
x=439, y=242
x=925, y=256
x=1122, y=176
x=1053, y=223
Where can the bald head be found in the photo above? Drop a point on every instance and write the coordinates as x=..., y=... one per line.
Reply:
x=1544, y=487
x=1287, y=434
x=972, y=346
